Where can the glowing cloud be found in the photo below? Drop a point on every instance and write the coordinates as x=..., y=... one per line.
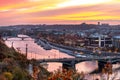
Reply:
x=82, y=2
x=58, y=11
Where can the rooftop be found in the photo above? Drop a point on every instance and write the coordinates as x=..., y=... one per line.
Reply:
x=117, y=37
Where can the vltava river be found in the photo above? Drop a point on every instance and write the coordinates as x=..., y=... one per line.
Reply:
x=37, y=52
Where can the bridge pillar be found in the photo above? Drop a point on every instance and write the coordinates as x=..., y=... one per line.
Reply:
x=69, y=65
x=100, y=66
x=22, y=38
x=6, y=38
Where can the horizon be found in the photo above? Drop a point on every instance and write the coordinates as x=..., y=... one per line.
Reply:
x=59, y=24
x=34, y=12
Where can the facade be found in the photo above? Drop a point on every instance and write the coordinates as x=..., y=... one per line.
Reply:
x=100, y=41
x=116, y=41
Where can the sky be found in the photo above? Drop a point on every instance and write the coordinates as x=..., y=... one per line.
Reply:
x=15, y=12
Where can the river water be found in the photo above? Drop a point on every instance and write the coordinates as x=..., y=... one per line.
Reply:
x=37, y=52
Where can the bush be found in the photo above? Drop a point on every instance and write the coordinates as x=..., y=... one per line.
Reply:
x=20, y=74
x=8, y=75
x=66, y=75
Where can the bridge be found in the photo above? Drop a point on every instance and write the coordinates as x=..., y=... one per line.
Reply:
x=22, y=37
x=102, y=58
x=69, y=63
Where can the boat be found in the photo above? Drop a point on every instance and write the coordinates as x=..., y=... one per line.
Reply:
x=47, y=46
x=80, y=56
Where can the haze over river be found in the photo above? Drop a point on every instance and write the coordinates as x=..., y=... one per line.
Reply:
x=37, y=52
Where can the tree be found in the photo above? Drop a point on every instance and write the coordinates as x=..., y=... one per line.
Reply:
x=20, y=74
x=8, y=75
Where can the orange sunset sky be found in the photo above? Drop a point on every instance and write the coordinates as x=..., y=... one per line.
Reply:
x=13, y=12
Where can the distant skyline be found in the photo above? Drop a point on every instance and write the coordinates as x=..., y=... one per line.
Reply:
x=15, y=12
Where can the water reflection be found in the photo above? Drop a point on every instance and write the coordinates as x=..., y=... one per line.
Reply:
x=34, y=50
x=54, y=66
x=87, y=66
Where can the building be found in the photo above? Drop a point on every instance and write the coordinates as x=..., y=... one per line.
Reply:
x=98, y=23
x=98, y=40
x=116, y=41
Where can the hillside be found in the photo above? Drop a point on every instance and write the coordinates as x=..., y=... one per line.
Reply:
x=12, y=64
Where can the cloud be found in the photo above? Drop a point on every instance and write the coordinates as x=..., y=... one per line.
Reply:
x=49, y=11
x=4, y=3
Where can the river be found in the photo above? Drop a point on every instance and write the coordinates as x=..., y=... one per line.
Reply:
x=37, y=52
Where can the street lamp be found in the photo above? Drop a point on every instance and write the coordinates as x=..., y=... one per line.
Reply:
x=55, y=55
x=35, y=55
x=31, y=55
x=59, y=54
x=12, y=44
x=26, y=50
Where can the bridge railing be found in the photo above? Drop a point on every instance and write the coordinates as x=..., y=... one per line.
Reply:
x=78, y=59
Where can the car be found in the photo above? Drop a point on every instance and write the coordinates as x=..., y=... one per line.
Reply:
x=78, y=55
x=108, y=56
